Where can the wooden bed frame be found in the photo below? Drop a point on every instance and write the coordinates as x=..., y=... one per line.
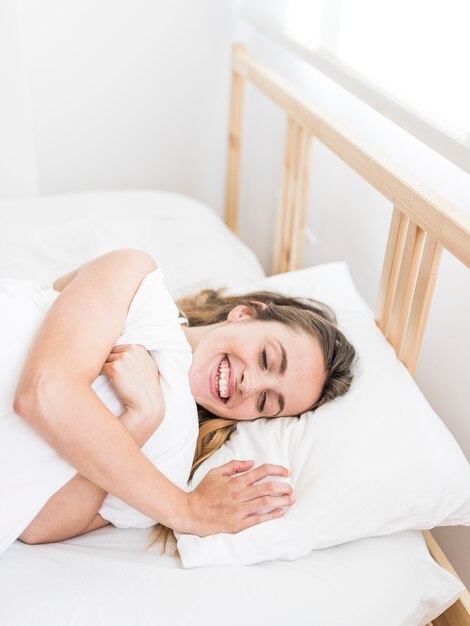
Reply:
x=423, y=223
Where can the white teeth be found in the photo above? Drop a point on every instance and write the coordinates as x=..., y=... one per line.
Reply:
x=222, y=379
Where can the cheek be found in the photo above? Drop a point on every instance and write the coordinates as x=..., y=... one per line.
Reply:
x=246, y=410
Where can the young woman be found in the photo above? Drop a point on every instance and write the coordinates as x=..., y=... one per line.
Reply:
x=261, y=355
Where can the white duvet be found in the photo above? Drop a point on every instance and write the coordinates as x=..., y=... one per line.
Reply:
x=30, y=471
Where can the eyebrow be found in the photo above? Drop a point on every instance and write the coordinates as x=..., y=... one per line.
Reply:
x=282, y=404
x=282, y=371
x=283, y=367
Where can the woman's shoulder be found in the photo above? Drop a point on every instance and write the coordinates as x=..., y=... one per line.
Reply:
x=153, y=319
x=153, y=296
x=128, y=258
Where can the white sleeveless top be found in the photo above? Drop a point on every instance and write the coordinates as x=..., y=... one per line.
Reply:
x=30, y=471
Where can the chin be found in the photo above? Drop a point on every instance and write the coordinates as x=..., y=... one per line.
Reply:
x=209, y=407
x=219, y=412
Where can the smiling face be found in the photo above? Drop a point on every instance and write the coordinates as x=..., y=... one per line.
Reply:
x=245, y=368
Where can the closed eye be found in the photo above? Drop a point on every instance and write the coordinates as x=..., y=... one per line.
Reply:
x=262, y=402
x=264, y=359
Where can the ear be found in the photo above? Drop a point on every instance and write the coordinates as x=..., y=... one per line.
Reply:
x=244, y=311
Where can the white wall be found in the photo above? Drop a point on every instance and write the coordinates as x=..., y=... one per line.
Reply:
x=129, y=94
x=18, y=175
x=350, y=221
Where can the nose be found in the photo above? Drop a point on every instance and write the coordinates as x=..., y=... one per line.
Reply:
x=251, y=383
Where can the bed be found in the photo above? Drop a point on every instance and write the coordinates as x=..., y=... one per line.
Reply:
x=108, y=576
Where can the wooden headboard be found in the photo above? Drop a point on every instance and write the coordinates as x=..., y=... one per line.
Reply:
x=423, y=224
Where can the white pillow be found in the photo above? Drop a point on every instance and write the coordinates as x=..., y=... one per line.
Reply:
x=391, y=581
x=376, y=461
x=43, y=238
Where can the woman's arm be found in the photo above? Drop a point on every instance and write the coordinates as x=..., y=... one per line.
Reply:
x=55, y=397
x=73, y=510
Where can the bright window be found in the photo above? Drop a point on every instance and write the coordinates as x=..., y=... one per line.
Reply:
x=411, y=54
x=417, y=49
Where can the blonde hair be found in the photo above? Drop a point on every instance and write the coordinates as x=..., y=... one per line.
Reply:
x=314, y=318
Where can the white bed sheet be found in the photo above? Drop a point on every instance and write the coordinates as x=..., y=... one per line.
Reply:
x=107, y=579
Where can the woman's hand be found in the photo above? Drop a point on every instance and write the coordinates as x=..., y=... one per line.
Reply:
x=133, y=374
x=225, y=502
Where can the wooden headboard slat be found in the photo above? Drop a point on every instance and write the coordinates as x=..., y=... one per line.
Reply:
x=416, y=237
x=406, y=277
x=421, y=303
x=234, y=150
x=300, y=209
x=292, y=212
x=289, y=183
x=391, y=267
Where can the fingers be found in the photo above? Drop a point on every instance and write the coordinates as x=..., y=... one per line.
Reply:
x=109, y=371
x=120, y=355
x=262, y=472
x=266, y=502
x=267, y=469
x=120, y=352
x=113, y=357
x=117, y=351
x=226, y=502
x=233, y=467
x=269, y=488
x=126, y=347
x=253, y=520
x=254, y=515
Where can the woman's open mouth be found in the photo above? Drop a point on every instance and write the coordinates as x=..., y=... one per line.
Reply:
x=222, y=380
